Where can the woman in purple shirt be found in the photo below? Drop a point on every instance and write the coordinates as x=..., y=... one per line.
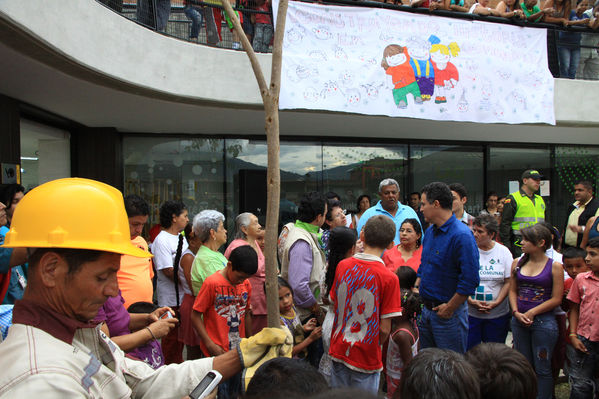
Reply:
x=136, y=334
x=536, y=289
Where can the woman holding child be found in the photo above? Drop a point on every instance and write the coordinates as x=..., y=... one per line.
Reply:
x=536, y=288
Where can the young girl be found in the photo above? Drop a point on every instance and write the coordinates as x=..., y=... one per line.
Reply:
x=342, y=244
x=403, y=342
x=290, y=319
x=187, y=334
x=536, y=287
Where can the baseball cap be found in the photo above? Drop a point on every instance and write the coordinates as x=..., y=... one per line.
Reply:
x=532, y=174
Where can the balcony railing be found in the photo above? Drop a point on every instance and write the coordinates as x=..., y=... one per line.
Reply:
x=203, y=22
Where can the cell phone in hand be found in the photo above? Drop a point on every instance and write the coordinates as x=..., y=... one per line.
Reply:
x=206, y=386
x=166, y=315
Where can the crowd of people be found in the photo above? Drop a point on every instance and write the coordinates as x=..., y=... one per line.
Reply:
x=414, y=300
x=577, y=51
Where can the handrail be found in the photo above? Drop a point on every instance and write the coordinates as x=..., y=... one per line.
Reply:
x=552, y=29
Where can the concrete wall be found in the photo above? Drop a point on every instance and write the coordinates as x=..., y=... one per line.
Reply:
x=99, y=46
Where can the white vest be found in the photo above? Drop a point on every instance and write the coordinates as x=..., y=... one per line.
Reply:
x=318, y=263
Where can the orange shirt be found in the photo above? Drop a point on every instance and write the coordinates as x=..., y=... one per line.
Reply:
x=402, y=74
x=135, y=276
x=393, y=259
x=223, y=307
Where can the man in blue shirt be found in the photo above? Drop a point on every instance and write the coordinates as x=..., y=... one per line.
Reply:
x=389, y=206
x=448, y=272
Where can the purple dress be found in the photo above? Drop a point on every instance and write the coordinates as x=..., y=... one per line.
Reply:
x=117, y=319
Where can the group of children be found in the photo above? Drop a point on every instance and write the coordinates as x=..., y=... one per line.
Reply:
x=366, y=308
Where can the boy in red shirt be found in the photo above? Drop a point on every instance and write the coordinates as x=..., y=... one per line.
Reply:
x=583, y=355
x=365, y=297
x=221, y=311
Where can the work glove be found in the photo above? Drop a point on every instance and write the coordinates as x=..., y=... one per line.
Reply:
x=267, y=344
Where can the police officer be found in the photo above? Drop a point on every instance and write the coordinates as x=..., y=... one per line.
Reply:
x=521, y=209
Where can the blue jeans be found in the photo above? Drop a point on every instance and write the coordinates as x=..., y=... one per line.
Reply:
x=342, y=376
x=262, y=36
x=196, y=20
x=536, y=343
x=487, y=330
x=582, y=368
x=437, y=332
x=569, y=58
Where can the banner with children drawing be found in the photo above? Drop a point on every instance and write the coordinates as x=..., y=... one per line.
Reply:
x=387, y=62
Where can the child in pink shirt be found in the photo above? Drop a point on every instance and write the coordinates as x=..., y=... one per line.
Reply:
x=584, y=326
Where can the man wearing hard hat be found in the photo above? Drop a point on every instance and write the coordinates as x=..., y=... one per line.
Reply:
x=75, y=231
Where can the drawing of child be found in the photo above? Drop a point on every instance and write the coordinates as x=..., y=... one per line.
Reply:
x=396, y=63
x=446, y=74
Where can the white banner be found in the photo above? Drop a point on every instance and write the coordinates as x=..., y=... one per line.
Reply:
x=387, y=62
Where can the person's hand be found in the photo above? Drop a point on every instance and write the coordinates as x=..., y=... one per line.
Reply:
x=162, y=327
x=573, y=227
x=155, y=315
x=214, y=349
x=525, y=321
x=316, y=334
x=252, y=349
x=530, y=316
x=549, y=10
x=478, y=305
x=578, y=345
x=310, y=325
x=443, y=311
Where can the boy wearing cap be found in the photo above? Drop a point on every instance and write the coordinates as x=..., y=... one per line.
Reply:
x=521, y=209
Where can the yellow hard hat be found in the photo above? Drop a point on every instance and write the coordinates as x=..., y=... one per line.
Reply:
x=73, y=213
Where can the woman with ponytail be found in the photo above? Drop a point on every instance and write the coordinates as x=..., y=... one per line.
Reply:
x=342, y=244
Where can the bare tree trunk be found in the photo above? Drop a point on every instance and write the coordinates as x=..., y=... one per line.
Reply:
x=270, y=99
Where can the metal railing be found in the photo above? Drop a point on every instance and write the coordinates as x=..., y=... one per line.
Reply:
x=204, y=22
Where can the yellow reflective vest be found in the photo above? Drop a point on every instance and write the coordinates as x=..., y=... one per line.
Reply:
x=527, y=212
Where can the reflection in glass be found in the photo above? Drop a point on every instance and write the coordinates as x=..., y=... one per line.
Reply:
x=450, y=164
x=161, y=169
x=353, y=170
x=246, y=160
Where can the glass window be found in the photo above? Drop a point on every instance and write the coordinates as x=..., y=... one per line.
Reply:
x=45, y=154
x=353, y=170
x=246, y=160
x=506, y=164
x=572, y=164
x=170, y=168
x=450, y=164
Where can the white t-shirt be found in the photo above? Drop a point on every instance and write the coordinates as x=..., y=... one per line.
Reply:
x=164, y=249
x=495, y=267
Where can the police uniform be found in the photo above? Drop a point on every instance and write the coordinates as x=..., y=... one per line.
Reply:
x=519, y=211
